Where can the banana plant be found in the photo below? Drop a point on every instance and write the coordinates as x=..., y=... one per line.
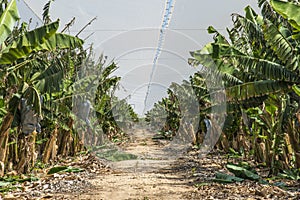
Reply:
x=8, y=19
x=259, y=62
x=31, y=66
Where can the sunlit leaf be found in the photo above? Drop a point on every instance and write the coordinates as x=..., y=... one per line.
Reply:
x=288, y=10
x=8, y=20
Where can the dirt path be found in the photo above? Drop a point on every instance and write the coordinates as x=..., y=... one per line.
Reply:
x=151, y=176
x=164, y=171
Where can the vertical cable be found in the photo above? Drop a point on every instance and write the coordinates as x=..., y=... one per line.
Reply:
x=168, y=10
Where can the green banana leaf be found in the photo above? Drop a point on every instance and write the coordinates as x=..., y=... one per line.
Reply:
x=226, y=178
x=296, y=90
x=8, y=20
x=33, y=97
x=114, y=155
x=27, y=43
x=54, y=74
x=3, y=183
x=256, y=89
x=58, y=169
x=280, y=45
x=250, y=14
x=289, y=11
x=60, y=41
x=242, y=172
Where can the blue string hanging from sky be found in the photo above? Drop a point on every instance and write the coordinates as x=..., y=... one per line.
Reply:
x=169, y=7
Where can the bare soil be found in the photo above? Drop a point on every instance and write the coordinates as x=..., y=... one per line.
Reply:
x=150, y=176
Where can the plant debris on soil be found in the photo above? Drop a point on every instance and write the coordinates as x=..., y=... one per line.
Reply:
x=186, y=177
x=67, y=176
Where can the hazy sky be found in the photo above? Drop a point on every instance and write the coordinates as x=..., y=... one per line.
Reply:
x=128, y=31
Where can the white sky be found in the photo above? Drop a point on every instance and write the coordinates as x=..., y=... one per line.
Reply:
x=128, y=32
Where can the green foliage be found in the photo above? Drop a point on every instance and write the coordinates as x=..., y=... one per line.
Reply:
x=61, y=169
x=168, y=111
x=259, y=65
x=289, y=10
x=46, y=9
x=43, y=66
x=226, y=178
x=9, y=183
x=37, y=65
x=7, y=21
x=293, y=174
x=26, y=44
x=115, y=155
x=242, y=172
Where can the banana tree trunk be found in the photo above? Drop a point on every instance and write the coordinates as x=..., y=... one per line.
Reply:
x=65, y=146
x=51, y=147
x=295, y=140
x=4, y=134
x=224, y=142
x=27, y=153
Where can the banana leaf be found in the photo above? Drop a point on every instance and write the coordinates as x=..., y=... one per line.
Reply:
x=242, y=172
x=60, y=41
x=226, y=178
x=114, y=155
x=27, y=43
x=33, y=98
x=256, y=89
x=296, y=89
x=280, y=45
x=58, y=169
x=289, y=11
x=3, y=183
x=8, y=20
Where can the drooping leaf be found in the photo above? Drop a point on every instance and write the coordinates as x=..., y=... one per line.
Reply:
x=242, y=172
x=288, y=10
x=267, y=10
x=255, y=89
x=250, y=25
x=57, y=169
x=226, y=178
x=280, y=45
x=34, y=99
x=8, y=20
x=27, y=43
x=218, y=67
x=51, y=78
x=60, y=41
x=269, y=69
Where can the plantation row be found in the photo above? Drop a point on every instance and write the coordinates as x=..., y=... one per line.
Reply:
x=258, y=66
x=45, y=76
